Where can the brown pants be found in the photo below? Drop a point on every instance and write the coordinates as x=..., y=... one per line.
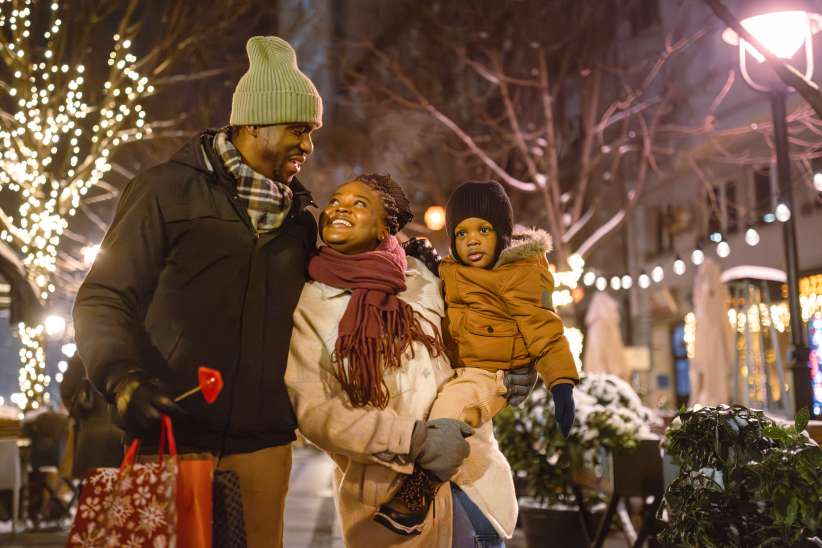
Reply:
x=264, y=484
x=474, y=396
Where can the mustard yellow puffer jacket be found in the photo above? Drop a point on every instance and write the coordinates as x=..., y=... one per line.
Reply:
x=501, y=318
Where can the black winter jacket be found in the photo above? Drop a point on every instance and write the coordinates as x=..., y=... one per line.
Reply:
x=183, y=280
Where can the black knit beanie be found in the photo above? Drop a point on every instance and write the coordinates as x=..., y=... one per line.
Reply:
x=484, y=200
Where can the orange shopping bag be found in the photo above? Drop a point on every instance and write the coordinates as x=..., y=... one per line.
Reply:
x=194, y=504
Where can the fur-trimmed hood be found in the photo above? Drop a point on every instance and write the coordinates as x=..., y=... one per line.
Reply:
x=525, y=243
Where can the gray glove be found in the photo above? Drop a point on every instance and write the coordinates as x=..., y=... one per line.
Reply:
x=520, y=382
x=439, y=446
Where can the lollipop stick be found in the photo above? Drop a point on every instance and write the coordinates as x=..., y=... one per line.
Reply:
x=186, y=394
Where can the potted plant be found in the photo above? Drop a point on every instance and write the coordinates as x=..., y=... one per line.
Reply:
x=744, y=480
x=609, y=417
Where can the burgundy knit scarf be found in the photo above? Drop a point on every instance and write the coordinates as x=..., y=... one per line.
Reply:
x=377, y=327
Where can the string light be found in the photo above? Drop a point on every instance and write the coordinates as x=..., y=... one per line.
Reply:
x=627, y=281
x=698, y=256
x=589, y=279
x=679, y=266
x=751, y=236
x=576, y=262
x=817, y=181
x=783, y=213
x=723, y=249
x=57, y=148
x=658, y=274
x=616, y=283
x=644, y=280
x=602, y=283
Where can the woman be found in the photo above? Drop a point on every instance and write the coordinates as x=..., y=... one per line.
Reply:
x=364, y=367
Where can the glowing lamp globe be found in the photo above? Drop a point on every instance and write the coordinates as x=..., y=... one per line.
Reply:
x=783, y=27
x=55, y=325
x=434, y=218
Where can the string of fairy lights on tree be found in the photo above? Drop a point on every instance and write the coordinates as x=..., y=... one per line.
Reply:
x=56, y=143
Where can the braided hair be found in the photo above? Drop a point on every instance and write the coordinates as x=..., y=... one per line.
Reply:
x=395, y=202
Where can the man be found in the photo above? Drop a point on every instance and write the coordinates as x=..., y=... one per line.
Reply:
x=203, y=265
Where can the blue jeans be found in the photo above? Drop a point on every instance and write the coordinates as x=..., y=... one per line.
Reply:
x=471, y=528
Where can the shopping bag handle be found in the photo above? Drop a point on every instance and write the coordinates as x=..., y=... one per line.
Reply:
x=166, y=431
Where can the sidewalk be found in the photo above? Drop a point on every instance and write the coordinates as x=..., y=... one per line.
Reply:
x=310, y=517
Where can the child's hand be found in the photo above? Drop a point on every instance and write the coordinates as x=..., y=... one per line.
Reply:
x=564, y=407
x=421, y=248
x=519, y=382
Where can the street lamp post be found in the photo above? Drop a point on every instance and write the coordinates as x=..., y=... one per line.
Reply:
x=784, y=28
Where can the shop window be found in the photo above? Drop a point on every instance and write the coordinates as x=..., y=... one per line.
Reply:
x=682, y=365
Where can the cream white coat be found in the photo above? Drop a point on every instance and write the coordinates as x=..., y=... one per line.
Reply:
x=369, y=445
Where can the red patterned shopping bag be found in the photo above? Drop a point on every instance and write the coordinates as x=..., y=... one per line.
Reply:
x=133, y=506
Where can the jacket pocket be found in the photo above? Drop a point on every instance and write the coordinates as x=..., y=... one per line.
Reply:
x=200, y=237
x=166, y=340
x=487, y=339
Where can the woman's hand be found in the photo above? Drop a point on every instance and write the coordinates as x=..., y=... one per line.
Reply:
x=439, y=446
x=519, y=382
x=564, y=407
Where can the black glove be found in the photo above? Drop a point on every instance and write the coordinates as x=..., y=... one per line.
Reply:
x=140, y=401
x=520, y=382
x=421, y=248
x=439, y=446
x=564, y=407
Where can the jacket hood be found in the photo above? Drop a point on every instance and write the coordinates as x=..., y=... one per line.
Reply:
x=525, y=243
x=198, y=153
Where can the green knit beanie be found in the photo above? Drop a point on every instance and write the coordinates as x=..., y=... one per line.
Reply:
x=273, y=90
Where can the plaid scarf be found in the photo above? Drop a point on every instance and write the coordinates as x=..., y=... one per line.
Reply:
x=268, y=202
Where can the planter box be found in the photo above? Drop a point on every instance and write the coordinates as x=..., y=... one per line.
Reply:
x=557, y=528
x=631, y=473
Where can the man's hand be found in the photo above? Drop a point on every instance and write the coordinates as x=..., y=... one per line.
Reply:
x=421, y=248
x=439, y=446
x=520, y=382
x=564, y=407
x=141, y=401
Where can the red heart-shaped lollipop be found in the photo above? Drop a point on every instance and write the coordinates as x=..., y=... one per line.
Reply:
x=211, y=383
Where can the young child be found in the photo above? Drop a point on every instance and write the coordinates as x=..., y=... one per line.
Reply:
x=499, y=316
